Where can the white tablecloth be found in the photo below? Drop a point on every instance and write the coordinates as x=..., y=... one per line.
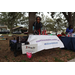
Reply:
x=41, y=42
x=45, y=41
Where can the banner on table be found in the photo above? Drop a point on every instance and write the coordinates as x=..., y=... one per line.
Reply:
x=45, y=41
x=29, y=48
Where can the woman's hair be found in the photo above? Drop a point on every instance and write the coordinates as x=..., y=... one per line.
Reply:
x=38, y=17
x=69, y=26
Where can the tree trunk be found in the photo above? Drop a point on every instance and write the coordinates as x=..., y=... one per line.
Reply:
x=74, y=21
x=70, y=18
x=11, y=29
x=32, y=16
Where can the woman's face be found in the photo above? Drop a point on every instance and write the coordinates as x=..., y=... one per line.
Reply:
x=38, y=19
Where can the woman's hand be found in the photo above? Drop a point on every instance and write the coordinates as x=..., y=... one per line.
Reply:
x=34, y=31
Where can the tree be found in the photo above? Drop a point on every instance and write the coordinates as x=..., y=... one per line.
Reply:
x=47, y=23
x=32, y=19
x=69, y=16
x=12, y=19
x=32, y=16
x=55, y=24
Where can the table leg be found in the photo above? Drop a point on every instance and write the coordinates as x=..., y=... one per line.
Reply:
x=15, y=53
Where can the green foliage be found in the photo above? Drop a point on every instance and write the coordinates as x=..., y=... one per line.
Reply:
x=12, y=19
x=54, y=24
x=57, y=23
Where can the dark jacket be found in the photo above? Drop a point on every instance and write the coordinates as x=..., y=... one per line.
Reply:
x=37, y=26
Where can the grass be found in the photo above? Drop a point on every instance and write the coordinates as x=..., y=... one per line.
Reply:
x=6, y=44
x=56, y=52
x=20, y=34
x=8, y=60
x=58, y=48
x=23, y=61
x=13, y=34
x=40, y=61
x=18, y=61
x=60, y=52
x=46, y=57
x=69, y=50
x=58, y=60
x=46, y=61
x=7, y=49
x=5, y=57
x=66, y=54
x=71, y=53
x=71, y=58
x=5, y=34
x=13, y=59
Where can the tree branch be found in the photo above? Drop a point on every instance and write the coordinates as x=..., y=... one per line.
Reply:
x=66, y=16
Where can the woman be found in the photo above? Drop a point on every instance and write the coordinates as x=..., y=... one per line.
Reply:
x=69, y=29
x=37, y=25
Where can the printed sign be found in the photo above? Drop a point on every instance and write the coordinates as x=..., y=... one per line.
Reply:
x=29, y=48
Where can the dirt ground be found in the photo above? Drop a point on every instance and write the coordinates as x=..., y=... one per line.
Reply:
x=52, y=55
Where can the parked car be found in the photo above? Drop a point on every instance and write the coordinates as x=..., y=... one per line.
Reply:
x=25, y=32
x=4, y=32
x=17, y=32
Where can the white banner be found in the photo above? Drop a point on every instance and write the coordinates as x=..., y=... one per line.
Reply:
x=45, y=41
x=41, y=42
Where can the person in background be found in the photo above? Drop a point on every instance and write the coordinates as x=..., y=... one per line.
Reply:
x=69, y=29
x=37, y=26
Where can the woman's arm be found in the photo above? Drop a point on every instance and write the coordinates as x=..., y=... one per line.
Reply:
x=67, y=30
x=73, y=31
x=33, y=28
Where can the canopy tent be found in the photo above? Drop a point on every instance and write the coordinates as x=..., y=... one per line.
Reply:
x=20, y=28
x=24, y=30
x=16, y=28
